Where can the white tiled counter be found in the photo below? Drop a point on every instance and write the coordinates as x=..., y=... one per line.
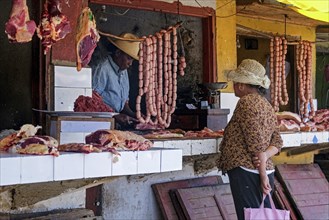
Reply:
x=191, y=147
x=23, y=169
x=299, y=138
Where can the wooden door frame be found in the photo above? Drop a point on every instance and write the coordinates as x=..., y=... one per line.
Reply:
x=207, y=14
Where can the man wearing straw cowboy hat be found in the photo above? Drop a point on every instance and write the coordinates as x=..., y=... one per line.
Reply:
x=251, y=138
x=110, y=77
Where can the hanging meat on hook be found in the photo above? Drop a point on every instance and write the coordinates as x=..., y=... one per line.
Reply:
x=19, y=27
x=86, y=37
x=54, y=24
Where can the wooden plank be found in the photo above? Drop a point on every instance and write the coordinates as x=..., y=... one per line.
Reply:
x=94, y=199
x=62, y=214
x=161, y=191
x=177, y=206
x=207, y=202
x=307, y=148
x=308, y=189
x=282, y=200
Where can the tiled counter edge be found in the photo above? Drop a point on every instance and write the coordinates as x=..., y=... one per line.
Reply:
x=23, y=169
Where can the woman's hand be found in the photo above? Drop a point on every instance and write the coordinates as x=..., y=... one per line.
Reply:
x=265, y=184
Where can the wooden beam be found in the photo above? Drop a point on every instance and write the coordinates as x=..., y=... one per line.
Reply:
x=308, y=148
x=160, y=6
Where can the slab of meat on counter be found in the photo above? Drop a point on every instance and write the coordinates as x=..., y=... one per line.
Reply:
x=91, y=104
x=124, y=140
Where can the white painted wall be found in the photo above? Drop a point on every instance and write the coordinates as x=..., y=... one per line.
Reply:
x=228, y=100
x=131, y=197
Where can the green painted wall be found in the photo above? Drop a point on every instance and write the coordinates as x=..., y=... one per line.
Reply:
x=321, y=85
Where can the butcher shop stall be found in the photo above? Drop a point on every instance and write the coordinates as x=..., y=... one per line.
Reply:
x=63, y=148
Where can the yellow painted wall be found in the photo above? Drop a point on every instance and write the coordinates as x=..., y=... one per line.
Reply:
x=226, y=36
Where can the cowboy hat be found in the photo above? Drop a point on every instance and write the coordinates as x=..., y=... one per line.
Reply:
x=128, y=43
x=249, y=72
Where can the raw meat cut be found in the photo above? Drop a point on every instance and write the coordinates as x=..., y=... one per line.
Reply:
x=119, y=140
x=54, y=25
x=36, y=144
x=86, y=38
x=91, y=104
x=20, y=28
x=289, y=116
x=12, y=139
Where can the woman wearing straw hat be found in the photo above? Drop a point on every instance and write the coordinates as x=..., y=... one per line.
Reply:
x=110, y=77
x=251, y=138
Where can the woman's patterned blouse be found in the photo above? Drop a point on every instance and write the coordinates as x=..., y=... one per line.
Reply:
x=252, y=128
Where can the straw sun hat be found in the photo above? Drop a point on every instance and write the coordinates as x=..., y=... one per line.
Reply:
x=128, y=43
x=249, y=72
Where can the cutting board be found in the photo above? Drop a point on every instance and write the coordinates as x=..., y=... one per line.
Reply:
x=308, y=189
x=161, y=191
x=207, y=202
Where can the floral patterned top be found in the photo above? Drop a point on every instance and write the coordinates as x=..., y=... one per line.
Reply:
x=252, y=128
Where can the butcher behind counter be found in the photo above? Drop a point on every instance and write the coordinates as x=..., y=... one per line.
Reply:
x=158, y=67
x=111, y=83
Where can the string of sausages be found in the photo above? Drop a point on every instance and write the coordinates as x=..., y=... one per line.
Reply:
x=304, y=71
x=279, y=93
x=158, y=67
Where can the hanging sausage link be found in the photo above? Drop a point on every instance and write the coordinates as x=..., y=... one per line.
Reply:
x=158, y=67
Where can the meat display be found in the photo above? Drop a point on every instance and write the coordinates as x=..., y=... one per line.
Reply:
x=11, y=140
x=279, y=93
x=91, y=104
x=285, y=115
x=85, y=148
x=289, y=121
x=304, y=70
x=86, y=38
x=116, y=139
x=179, y=133
x=38, y=145
x=158, y=67
x=288, y=125
x=19, y=27
x=54, y=25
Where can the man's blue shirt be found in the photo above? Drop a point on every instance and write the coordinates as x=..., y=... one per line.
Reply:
x=111, y=83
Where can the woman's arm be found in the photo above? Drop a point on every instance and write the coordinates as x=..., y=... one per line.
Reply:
x=264, y=180
x=269, y=152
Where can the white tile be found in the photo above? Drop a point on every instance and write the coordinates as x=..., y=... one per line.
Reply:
x=88, y=92
x=84, y=126
x=158, y=144
x=291, y=139
x=72, y=137
x=64, y=98
x=10, y=169
x=69, y=77
x=311, y=137
x=37, y=168
x=149, y=161
x=204, y=146
x=185, y=145
x=98, y=165
x=69, y=166
x=325, y=136
x=171, y=159
x=219, y=141
x=229, y=101
x=126, y=164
